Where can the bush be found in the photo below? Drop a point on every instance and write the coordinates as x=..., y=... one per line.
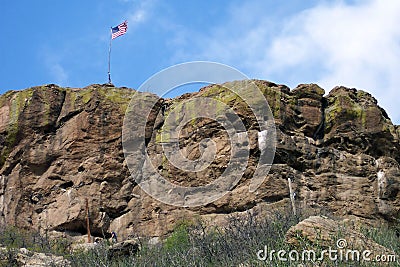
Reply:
x=13, y=238
x=194, y=244
x=179, y=239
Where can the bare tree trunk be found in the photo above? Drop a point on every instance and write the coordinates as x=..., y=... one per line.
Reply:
x=87, y=222
x=292, y=196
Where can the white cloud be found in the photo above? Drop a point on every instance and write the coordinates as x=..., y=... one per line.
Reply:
x=139, y=12
x=138, y=16
x=333, y=43
x=355, y=45
x=59, y=74
x=52, y=62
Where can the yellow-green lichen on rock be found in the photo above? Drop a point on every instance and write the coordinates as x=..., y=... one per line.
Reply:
x=398, y=131
x=85, y=155
x=308, y=90
x=78, y=97
x=240, y=95
x=356, y=109
x=16, y=102
x=120, y=96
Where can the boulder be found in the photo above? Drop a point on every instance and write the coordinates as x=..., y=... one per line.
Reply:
x=322, y=232
x=25, y=258
x=124, y=248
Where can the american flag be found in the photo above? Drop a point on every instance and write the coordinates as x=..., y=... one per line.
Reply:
x=119, y=30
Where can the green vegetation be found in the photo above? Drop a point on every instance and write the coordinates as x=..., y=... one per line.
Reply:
x=13, y=238
x=179, y=239
x=194, y=244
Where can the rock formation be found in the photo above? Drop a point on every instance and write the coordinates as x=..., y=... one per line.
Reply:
x=328, y=234
x=59, y=146
x=25, y=258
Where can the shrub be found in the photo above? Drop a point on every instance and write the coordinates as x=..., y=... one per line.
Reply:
x=194, y=244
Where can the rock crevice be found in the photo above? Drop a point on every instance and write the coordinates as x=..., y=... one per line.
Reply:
x=59, y=146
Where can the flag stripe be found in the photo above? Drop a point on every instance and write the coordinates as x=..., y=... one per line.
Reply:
x=119, y=30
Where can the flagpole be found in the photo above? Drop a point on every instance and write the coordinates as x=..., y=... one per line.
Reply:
x=109, y=58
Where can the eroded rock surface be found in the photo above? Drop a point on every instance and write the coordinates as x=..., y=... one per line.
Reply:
x=25, y=258
x=60, y=146
x=326, y=233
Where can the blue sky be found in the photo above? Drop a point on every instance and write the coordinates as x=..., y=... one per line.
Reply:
x=352, y=43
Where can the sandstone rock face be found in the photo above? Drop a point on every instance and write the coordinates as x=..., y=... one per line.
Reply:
x=327, y=233
x=60, y=146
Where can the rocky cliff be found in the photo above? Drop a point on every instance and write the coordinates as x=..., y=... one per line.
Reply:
x=61, y=146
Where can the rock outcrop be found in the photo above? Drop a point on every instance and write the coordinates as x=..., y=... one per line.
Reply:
x=26, y=258
x=124, y=248
x=329, y=234
x=60, y=146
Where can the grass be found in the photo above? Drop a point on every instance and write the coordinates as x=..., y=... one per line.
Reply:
x=193, y=244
